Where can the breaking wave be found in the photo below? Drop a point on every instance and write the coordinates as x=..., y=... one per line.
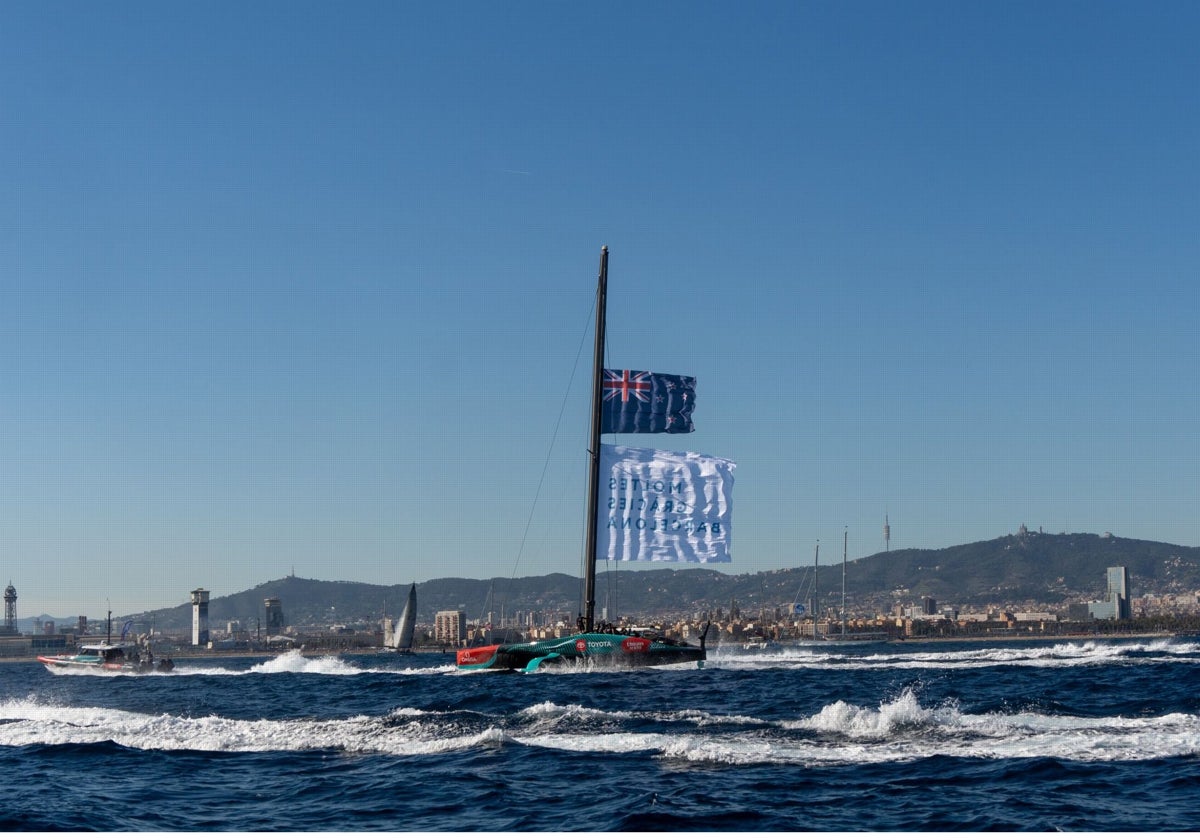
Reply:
x=898, y=729
x=977, y=654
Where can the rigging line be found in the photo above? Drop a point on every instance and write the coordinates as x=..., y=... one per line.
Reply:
x=800, y=587
x=553, y=439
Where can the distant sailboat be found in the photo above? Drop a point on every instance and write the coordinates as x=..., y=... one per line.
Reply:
x=813, y=603
x=400, y=638
x=814, y=607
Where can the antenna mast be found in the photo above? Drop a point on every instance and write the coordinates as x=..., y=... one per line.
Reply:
x=816, y=596
x=845, y=540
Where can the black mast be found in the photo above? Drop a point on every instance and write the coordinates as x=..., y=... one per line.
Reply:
x=593, y=497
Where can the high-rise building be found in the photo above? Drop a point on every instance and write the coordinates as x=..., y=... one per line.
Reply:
x=1118, y=581
x=274, y=610
x=1118, y=591
x=450, y=627
x=1116, y=603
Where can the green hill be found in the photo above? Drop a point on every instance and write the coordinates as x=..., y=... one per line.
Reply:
x=1015, y=569
x=1048, y=568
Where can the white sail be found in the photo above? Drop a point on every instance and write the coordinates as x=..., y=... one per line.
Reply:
x=408, y=621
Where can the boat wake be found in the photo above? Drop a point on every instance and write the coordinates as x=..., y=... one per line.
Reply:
x=29, y=723
x=933, y=655
x=896, y=730
x=295, y=662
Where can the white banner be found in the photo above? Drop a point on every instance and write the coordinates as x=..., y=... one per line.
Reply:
x=657, y=505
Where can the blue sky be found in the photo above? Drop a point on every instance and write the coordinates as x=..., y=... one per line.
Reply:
x=308, y=287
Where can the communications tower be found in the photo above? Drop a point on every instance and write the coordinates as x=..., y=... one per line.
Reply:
x=199, y=617
x=10, y=610
x=887, y=534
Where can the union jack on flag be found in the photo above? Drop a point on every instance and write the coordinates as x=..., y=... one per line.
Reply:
x=626, y=384
x=641, y=401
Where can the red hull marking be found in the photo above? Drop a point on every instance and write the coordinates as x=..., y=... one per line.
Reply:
x=635, y=644
x=476, y=656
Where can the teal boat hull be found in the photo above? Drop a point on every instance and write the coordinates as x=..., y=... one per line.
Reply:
x=609, y=649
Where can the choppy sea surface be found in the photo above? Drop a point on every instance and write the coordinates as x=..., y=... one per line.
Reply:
x=1014, y=736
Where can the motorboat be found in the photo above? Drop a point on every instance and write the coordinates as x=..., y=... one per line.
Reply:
x=104, y=657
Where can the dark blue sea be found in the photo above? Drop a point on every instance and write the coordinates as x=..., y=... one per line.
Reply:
x=1011, y=736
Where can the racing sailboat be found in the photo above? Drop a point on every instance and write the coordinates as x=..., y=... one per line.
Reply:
x=400, y=637
x=606, y=645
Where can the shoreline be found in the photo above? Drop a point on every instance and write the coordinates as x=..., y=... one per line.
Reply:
x=731, y=644
x=262, y=654
x=917, y=640
x=921, y=640
x=1042, y=637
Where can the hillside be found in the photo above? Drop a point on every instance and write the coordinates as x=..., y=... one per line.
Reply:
x=1015, y=569
x=1048, y=568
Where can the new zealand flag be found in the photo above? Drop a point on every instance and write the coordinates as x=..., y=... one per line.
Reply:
x=640, y=401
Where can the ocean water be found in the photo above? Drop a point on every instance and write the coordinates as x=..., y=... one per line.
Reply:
x=1015, y=736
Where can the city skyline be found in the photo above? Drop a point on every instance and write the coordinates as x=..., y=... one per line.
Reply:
x=296, y=288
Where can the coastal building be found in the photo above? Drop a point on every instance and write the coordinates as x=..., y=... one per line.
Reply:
x=1116, y=603
x=200, y=617
x=1043, y=617
x=273, y=608
x=450, y=627
x=1118, y=581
